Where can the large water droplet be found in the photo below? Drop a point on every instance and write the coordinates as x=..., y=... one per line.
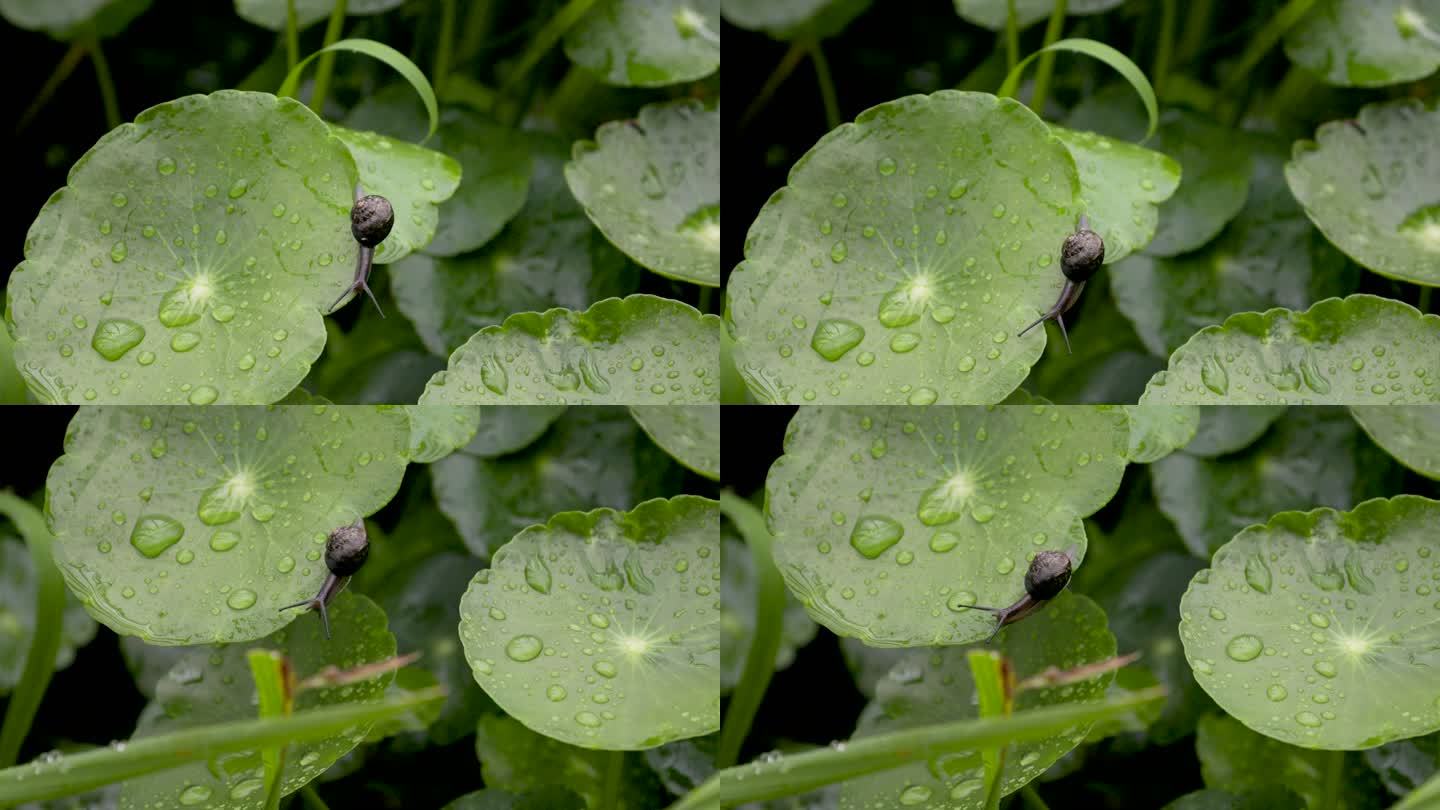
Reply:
x=875, y=533
x=1244, y=647
x=537, y=575
x=1214, y=376
x=835, y=336
x=116, y=336
x=155, y=533
x=1257, y=573
x=915, y=794
x=524, y=648
x=194, y=794
x=241, y=599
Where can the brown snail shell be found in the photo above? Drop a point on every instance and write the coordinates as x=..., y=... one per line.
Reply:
x=371, y=219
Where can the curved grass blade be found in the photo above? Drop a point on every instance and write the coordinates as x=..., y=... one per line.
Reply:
x=1097, y=50
x=384, y=53
x=49, y=613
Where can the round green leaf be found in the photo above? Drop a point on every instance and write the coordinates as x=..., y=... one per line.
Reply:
x=414, y=179
x=1121, y=187
x=904, y=255
x=423, y=603
x=1358, y=350
x=890, y=522
x=548, y=256
x=17, y=616
x=1367, y=43
x=1269, y=256
x=549, y=797
x=271, y=14
x=1406, y=432
x=1313, y=457
x=1109, y=364
x=1216, y=163
x=652, y=186
x=1234, y=758
x=689, y=433
x=936, y=686
x=1225, y=430
x=189, y=259
x=505, y=429
x=992, y=14
x=615, y=642
x=1369, y=186
x=514, y=758
x=437, y=431
x=1266, y=798
x=647, y=43
x=737, y=614
x=590, y=457
x=1405, y=765
x=641, y=349
x=685, y=764
x=791, y=19
x=868, y=664
x=1156, y=431
x=191, y=526
x=1316, y=628
x=73, y=18
x=214, y=685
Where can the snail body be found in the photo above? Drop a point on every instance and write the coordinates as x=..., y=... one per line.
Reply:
x=1047, y=576
x=1081, y=257
x=346, y=550
x=371, y=219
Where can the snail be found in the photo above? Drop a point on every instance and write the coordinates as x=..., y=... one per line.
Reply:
x=1080, y=258
x=1047, y=576
x=345, y=551
x=371, y=219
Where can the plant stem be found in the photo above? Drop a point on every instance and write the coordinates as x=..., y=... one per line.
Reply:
x=292, y=36
x=1263, y=41
x=1047, y=60
x=443, y=51
x=1334, y=778
x=327, y=61
x=777, y=77
x=827, y=84
x=107, y=85
x=312, y=798
x=1012, y=37
x=49, y=615
x=1162, y=51
x=769, y=626
x=1032, y=799
x=570, y=94
x=614, y=768
x=1195, y=31
x=797, y=773
x=476, y=28
x=62, y=71
x=1425, y=299
x=554, y=29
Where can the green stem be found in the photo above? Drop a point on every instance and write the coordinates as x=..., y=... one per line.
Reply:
x=473, y=33
x=1196, y=30
x=614, y=769
x=777, y=77
x=1012, y=36
x=1032, y=799
x=49, y=615
x=707, y=297
x=827, y=84
x=327, y=61
x=443, y=51
x=1263, y=41
x=1162, y=51
x=1334, y=781
x=1047, y=60
x=794, y=774
x=312, y=798
x=107, y=84
x=1425, y=299
x=554, y=29
x=570, y=94
x=292, y=36
x=769, y=625
x=77, y=773
x=71, y=60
